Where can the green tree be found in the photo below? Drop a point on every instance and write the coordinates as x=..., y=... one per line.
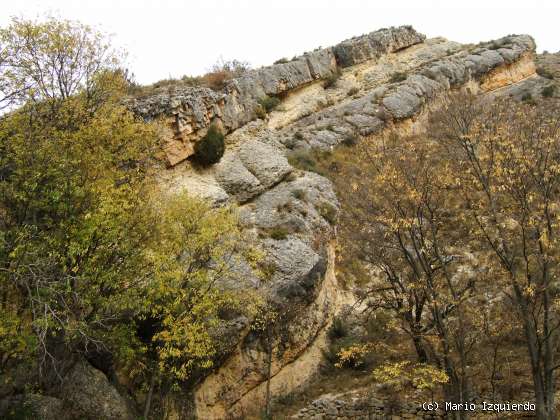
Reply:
x=211, y=147
x=94, y=258
x=52, y=59
x=72, y=190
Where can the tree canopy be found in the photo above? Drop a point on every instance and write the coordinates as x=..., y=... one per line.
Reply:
x=454, y=232
x=95, y=259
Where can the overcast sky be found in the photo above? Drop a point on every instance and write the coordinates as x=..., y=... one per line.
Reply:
x=173, y=38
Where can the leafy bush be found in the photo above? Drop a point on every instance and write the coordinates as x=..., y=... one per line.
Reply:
x=302, y=159
x=545, y=73
x=334, y=348
x=331, y=80
x=168, y=85
x=266, y=269
x=398, y=77
x=338, y=329
x=548, y=91
x=528, y=98
x=210, y=148
x=278, y=233
x=355, y=356
x=222, y=71
x=260, y=112
x=328, y=212
x=282, y=60
x=216, y=80
x=352, y=91
x=350, y=139
x=268, y=103
x=348, y=352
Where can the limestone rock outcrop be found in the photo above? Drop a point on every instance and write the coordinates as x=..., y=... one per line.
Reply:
x=32, y=406
x=370, y=46
x=191, y=110
x=369, y=114
x=386, y=77
x=89, y=395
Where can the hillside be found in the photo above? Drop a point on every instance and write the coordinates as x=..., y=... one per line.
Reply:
x=289, y=130
x=378, y=80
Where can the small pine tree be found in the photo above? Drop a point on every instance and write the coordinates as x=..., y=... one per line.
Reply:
x=548, y=91
x=211, y=148
x=269, y=102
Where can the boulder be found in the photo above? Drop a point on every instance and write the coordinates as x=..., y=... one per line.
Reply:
x=33, y=406
x=89, y=395
x=280, y=206
x=236, y=179
x=265, y=162
x=299, y=269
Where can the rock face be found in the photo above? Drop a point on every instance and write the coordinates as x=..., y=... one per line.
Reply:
x=373, y=45
x=85, y=394
x=544, y=84
x=511, y=62
x=34, y=406
x=89, y=395
x=387, y=76
x=362, y=404
x=191, y=110
x=238, y=388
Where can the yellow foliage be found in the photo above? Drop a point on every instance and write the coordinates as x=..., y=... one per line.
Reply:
x=419, y=375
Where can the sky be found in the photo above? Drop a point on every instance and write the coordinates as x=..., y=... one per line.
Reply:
x=172, y=38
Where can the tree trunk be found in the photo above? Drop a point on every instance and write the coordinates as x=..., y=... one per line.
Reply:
x=544, y=391
x=150, y=395
x=268, y=373
x=420, y=350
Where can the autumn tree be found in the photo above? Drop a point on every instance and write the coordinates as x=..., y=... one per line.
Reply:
x=399, y=226
x=95, y=261
x=507, y=164
x=53, y=59
x=455, y=230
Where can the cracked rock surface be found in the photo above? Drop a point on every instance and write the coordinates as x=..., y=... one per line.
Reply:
x=386, y=76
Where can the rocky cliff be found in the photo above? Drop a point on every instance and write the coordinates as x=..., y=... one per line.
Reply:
x=191, y=110
x=380, y=79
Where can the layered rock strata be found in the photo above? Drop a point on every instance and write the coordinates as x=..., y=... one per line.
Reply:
x=387, y=76
x=189, y=111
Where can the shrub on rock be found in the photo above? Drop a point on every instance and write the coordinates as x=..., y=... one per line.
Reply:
x=331, y=80
x=269, y=102
x=210, y=148
x=548, y=91
x=398, y=77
